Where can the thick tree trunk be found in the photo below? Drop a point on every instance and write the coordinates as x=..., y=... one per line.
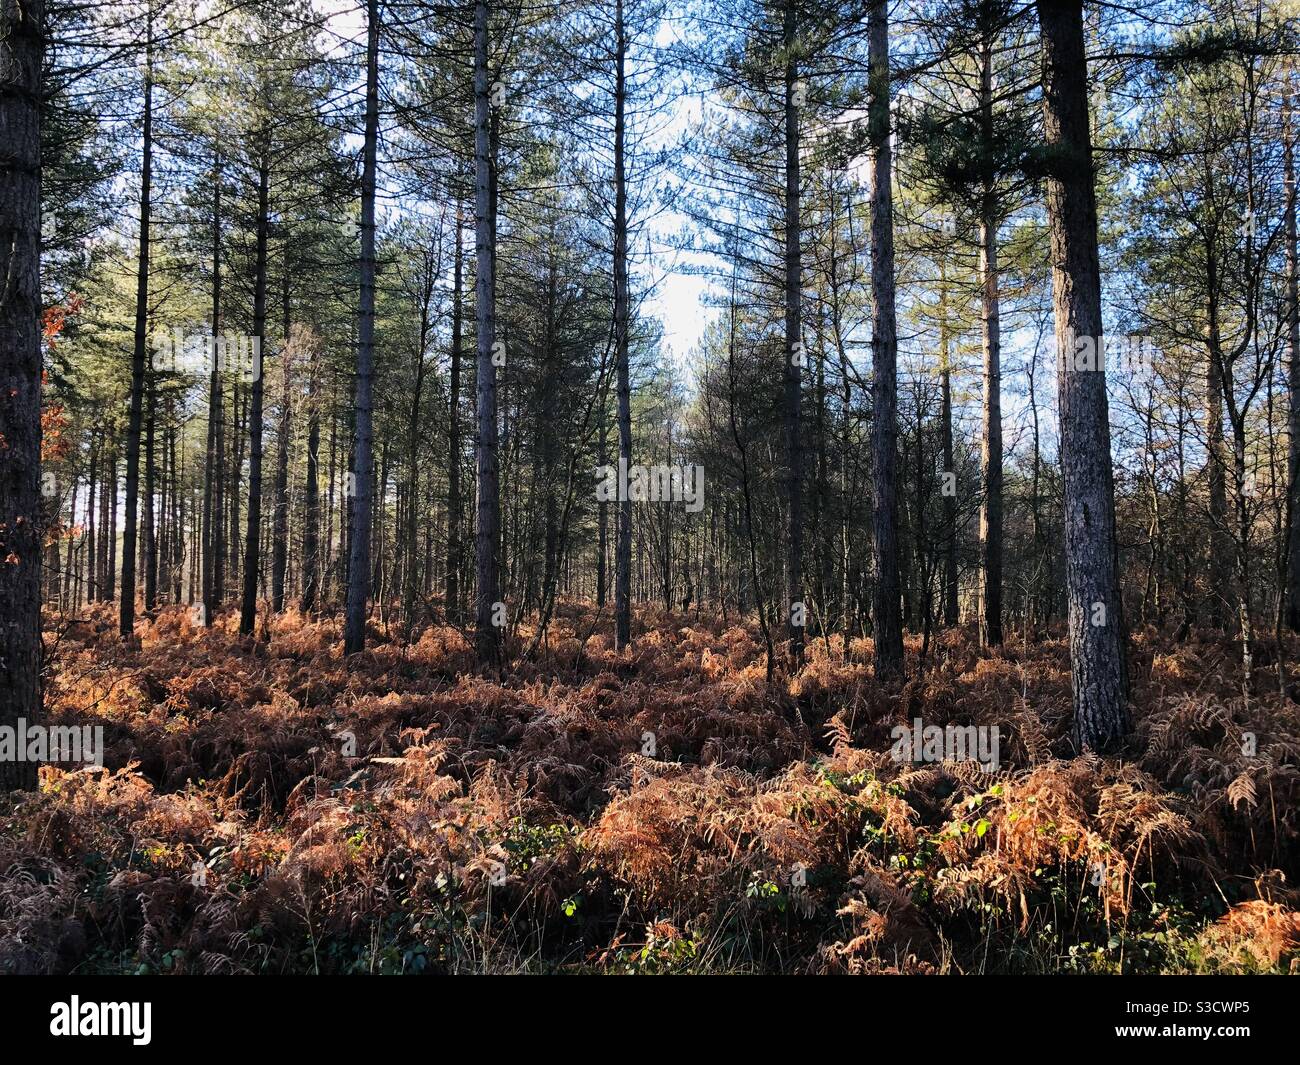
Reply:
x=22, y=30
x=139, y=356
x=884, y=349
x=1096, y=622
x=488, y=509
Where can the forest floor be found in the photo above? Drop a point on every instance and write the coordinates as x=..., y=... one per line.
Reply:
x=268, y=807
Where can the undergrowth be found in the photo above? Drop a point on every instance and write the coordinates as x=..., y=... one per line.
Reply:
x=268, y=807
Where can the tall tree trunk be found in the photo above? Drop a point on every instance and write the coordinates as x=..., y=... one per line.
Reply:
x=821, y=498
x=253, y=529
x=1096, y=622
x=107, y=511
x=328, y=562
x=1242, y=547
x=451, y=595
x=139, y=355
x=884, y=349
x=354, y=636
x=1293, y=369
x=149, y=532
x=280, y=535
x=991, y=437
x=22, y=30
x=379, y=573
x=239, y=413
x=742, y=451
x=311, y=494
x=602, y=512
x=1216, y=466
x=951, y=607
x=51, y=505
x=848, y=581
x=623, y=534
x=548, y=445
x=411, y=574
x=488, y=510
x=796, y=609
x=505, y=550
x=212, y=516
x=110, y=511
x=92, y=487
x=175, y=537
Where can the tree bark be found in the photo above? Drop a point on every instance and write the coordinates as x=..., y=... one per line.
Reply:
x=1096, y=622
x=239, y=417
x=22, y=30
x=488, y=510
x=92, y=487
x=951, y=610
x=1293, y=369
x=884, y=350
x=602, y=512
x=796, y=609
x=623, y=533
x=451, y=597
x=409, y=553
x=354, y=636
x=311, y=494
x=280, y=536
x=1216, y=463
x=149, y=531
x=139, y=355
x=110, y=512
x=991, y=436
x=253, y=528
x=212, y=516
